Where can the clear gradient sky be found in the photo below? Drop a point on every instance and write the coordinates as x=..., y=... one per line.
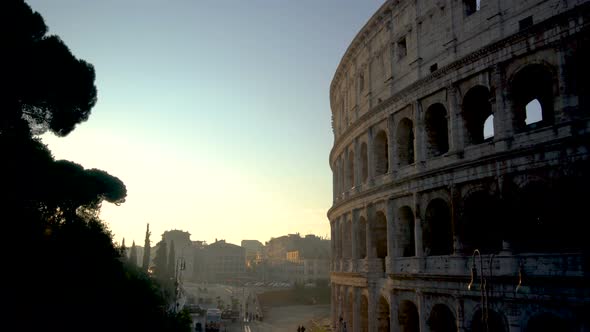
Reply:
x=215, y=113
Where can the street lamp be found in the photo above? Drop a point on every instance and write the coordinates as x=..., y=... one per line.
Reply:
x=482, y=285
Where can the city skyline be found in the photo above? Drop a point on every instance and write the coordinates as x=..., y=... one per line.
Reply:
x=216, y=116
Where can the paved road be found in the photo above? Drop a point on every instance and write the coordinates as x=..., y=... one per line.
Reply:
x=278, y=319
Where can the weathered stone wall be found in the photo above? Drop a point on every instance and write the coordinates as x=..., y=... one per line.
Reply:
x=443, y=166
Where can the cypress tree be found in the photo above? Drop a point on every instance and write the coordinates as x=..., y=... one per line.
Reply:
x=133, y=255
x=146, y=250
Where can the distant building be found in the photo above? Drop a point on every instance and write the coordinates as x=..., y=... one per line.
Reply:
x=220, y=262
x=183, y=249
x=253, y=251
x=286, y=258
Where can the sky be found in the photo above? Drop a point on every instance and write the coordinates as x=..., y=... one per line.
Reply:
x=214, y=113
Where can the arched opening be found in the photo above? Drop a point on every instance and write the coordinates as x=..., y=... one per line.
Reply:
x=381, y=153
x=380, y=234
x=480, y=226
x=532, y=94
x=362, y=238
x=407, y=316
x=437, y=233
x=364, y=163
x=383, y=321
x=441, y=319
x=405, y=142
x=488, y=322
x=476, y=111
x=364, y=314
x=547, y=322
x=436, y=130
x=406, y=236
x=539, y=223
x=350, y=169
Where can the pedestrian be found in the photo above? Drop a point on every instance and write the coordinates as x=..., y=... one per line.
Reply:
x=343, y=326
x=299, y=328
x=302, y=328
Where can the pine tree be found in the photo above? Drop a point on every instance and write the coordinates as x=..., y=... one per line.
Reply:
x=133, y=255
x=146, y=250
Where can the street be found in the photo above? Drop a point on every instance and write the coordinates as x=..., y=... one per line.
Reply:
x=277, y=319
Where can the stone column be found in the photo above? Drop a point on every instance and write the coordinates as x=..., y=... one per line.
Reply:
x=357, y=163
x=333, y=307
x=371, y=156
x=502, y=109
x=418, y=228
x=456, y=134
x=356, y=308
x=419, y=140
x=393, y=310
x=355, y=235
x=333, y=244
x=566, y=103
x=334, y=183
x=391, y=240
x=372, y=306
x=371, y=249
x=392, y=158
x=422, y=314
x=455, y=213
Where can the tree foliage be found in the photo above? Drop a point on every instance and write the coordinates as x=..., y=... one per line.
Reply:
x=69, y=275
x=42, y=81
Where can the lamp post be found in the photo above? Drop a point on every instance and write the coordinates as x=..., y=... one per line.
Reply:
x=483, y=284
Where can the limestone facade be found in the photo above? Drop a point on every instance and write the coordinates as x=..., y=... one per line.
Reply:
x=461, y=168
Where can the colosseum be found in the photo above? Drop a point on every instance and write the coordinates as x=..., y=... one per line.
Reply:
x=461, y=168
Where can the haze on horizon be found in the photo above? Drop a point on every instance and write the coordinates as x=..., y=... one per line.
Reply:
x=215, y=114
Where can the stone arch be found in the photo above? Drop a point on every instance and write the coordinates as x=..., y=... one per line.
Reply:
x=407, y=316
x=532, y=82
x=476, y=110
x=441, y=319
x=380, y=234
x=547, y=322
x=362, y=247
x=364, y=319
x=479, y=226
x=349, y=169
x=381, y=151
x=406, y=236
x=383, y=315
x=405, y=142
x=364, y=163
x=437, y=134
x=490, y=321
x=437, y=231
